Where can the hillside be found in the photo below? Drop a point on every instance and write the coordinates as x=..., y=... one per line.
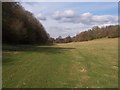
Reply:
x=88, y=64
x=111, y=31
x=96, y=32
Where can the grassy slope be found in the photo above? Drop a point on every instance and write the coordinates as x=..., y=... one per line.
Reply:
x=81, y=64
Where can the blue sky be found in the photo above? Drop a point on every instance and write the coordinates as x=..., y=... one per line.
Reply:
x=70, y=18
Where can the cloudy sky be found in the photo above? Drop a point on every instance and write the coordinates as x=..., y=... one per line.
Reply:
x=70, y=18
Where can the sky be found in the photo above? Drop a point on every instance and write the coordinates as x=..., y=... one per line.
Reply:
x=70, y=18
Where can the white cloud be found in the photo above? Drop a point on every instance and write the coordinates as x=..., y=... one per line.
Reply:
x=88, y=18
x=105, y=18
x=87, y=15
x=65, y=14
x=41, y=17
x=68, y=13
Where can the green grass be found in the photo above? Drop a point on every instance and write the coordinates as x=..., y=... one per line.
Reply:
x=89, y=64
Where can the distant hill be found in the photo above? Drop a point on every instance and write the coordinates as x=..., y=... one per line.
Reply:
x=96, y=32
x=20, y=26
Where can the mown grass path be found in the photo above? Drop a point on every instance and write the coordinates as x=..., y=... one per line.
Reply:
x=78, y=64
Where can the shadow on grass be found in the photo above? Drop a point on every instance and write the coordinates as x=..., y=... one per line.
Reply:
x=35, y=48
x=9, y=50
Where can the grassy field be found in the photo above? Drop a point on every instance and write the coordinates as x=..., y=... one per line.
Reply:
x=89, y=64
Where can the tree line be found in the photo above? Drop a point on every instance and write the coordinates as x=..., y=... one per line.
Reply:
x=96, y=32
x=20, y=26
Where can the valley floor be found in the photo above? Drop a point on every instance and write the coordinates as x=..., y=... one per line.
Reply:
x=89, y=64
